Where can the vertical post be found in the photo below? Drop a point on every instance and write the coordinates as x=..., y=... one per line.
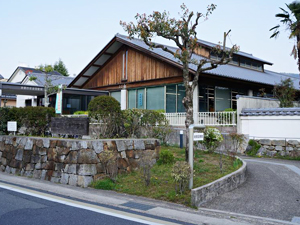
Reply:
x=123, y=99
x=196, y=104
x=0, y=93
x=191, y=151
x=181, y=139
x=191, y=154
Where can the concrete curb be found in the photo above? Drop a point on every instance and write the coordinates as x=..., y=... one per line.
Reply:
x=227, y=183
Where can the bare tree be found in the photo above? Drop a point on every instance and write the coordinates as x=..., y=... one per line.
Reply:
x=49, y=88
x=183, y=33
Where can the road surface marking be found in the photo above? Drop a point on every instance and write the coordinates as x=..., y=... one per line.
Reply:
x=87, y=206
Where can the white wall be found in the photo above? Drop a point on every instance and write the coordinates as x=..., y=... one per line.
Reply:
x=18, y=76
x=21, y=98
x=249, y=102
x=271, y=127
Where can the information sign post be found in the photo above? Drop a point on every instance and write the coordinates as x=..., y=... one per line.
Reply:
x=193, y=137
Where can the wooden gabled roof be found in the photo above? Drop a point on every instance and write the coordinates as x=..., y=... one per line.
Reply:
x=228, y=71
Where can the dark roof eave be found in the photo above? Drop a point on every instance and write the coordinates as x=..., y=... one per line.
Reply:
x=263, y=61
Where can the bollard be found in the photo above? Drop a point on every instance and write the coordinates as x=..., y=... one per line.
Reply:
x=181, y=139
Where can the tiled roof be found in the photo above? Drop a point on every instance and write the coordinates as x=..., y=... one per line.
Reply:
x=37, y=71
x=55, y=79
x=212, y=45
x=271, y=112
x=230, y=71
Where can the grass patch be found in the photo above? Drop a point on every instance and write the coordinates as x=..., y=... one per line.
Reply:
x=162, y=186
x=105, y=184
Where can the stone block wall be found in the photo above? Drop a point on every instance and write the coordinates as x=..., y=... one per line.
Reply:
x=69, y=161
x=283, y=147
x=225, y=184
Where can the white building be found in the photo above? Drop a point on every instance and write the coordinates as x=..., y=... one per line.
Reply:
x=22, y=76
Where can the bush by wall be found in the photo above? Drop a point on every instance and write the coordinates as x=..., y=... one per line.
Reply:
x=106, y=110
x=35, y=119
x=146, y=123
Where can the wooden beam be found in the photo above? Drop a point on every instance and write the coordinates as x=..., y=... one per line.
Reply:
x=107, y=61
x=93, y=60
x=137, y=84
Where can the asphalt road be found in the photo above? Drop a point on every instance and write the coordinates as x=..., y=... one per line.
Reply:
x=17, y=208
x=272, y=190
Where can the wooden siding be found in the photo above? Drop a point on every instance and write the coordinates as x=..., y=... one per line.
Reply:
x=140, y=67
x=202, y=51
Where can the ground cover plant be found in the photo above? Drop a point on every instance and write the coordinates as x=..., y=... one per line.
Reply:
x=162, y=185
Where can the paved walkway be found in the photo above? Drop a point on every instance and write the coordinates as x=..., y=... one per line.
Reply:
x=272, y=190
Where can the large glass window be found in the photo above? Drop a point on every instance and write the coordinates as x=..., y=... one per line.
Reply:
x=116, y=95
x=235, y=60
x=180, y=96
x=223, y=98
x=131, y=99
x=141, y=98
x=155, y=98
x=211, y=98
x=202, y=99
x=171, y=91
x=73, y=103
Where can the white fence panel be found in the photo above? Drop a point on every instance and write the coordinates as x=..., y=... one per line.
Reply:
x=205, y=118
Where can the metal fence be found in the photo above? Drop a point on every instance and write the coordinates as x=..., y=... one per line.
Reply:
x=205, y=118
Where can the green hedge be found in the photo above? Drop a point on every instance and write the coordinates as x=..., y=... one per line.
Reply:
x=35, y=119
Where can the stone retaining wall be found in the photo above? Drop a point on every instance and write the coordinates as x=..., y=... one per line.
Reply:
x=209, y=191
x=69, y=161
x=283, y=147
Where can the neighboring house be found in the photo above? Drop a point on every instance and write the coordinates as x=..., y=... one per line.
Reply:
x=7, y=100
x=22, y=75
x=145, y=78
x=2, y=79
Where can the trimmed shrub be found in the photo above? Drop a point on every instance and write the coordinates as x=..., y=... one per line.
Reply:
x=166, y=157
x=107, y=111
x=144, y=122
x=35, y=119
x=212, y=138
x=102, y=106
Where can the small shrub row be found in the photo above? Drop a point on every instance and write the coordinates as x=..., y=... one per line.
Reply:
x=35, y=119
x=133, y=123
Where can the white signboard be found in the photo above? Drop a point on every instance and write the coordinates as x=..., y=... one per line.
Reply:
x=198, y=136
x=12, y=126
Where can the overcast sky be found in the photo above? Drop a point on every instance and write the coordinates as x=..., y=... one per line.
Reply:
x=34, y=32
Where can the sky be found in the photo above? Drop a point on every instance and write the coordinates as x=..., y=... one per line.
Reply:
x=34, y=32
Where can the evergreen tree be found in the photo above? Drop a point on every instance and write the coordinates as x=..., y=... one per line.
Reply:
x=61, y=68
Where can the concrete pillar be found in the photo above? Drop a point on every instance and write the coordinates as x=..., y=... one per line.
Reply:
x=196, y=104
x=123, y=99
x=250, y=92
x=34, y=101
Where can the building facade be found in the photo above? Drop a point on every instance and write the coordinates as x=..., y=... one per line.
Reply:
x=139, y=77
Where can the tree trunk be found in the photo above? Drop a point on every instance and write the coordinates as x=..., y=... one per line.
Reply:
x=298, y=51
x=46, y=91
x=188, y=104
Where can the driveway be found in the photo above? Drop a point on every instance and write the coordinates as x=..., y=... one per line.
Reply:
x=272, y=190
